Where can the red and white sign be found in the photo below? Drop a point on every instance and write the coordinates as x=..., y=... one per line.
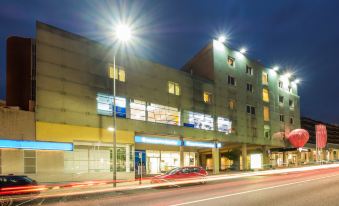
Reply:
x=321, y=135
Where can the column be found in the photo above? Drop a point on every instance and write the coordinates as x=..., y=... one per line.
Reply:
x=197, y=159
x=331, y=154
x=307, y=157
x=266, y=158
x=182, y=156
x=128, y=158
x=311, y=156
x=244, y=157
x=216, y=160
x=285, y=157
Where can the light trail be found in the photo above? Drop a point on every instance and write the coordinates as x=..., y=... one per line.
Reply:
x=62, y=189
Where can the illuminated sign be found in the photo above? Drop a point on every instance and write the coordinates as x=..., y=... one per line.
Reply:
x=34, y=145
x=256, y=161
x=202, y=144
x=105, y=105
x=153, y=140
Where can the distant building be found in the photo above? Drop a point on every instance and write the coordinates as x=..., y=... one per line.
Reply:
x=221, y=101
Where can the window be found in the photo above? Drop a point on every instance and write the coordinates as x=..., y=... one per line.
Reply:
x=249, y=87
x=29, y=161
x=174, y=88
x=138, y=110
x=281, y=84
x=281, y=99
x=290, y=89
x=198, y=120
x=250, y=109
x=267, y=131
x=265, y=95
x=231, y=104
x=231, y=61
x=119, y=73
x=249, y=70
x=291, y=103
x=264, y=78
x=266, y=113
x=163, y=114
x=231, y=80
x=207, y=97
x=105, y=105
x=291, y=120
x=282, y=118
x=224, y=125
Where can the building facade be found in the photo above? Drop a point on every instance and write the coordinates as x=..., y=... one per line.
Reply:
x=221, y=110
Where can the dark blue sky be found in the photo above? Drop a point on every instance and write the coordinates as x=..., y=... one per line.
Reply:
x=299, y=35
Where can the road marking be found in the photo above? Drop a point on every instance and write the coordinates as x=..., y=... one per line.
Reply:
x=250, y=191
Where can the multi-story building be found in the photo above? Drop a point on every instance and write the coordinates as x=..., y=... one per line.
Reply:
x=221, y=110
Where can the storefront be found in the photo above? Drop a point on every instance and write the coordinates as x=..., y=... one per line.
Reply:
x=160, y=154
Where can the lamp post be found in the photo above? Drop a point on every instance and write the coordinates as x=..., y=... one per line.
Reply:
x=122, y=33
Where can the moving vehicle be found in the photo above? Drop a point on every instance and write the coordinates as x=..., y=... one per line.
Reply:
x=17, y=184
x=181, y=174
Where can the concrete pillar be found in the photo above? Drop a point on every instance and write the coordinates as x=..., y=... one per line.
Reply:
x=216, y=160
x=197, y=159
x=203, y=160
x=266, y=158
x=285, y=158
x=128, y=158
x=182, y=160
x=244, y=157
x=331, y=154
x=311, y=156
x=307, y=157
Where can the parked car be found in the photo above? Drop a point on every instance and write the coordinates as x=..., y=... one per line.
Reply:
x=183, y=173
x=15, y=185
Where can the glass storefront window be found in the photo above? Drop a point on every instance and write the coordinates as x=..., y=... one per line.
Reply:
x=189, y=159
x=163, y=114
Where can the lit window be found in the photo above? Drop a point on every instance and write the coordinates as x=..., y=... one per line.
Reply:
x=282, y=118
x=281, y=84
x=266, y=113
x=291, y=103
x=281, y=99
x=231, y=104
x=163, y=114
x=119, y=73
x=265, y=95
x=250, y=109
x=291, y=120
x=231, y=61
x=138, y=110
x=264, y=78
x=198, y=120
x=174, y=88
x=207, y=97
x=267, y=131
x=249, y=70
x=249, y=87
x=231, y=81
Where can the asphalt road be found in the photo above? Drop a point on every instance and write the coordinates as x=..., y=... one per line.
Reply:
x=316, y=187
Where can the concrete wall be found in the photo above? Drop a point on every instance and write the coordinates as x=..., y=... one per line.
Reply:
x=16, y=124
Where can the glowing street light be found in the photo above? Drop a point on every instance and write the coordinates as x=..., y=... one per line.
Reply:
x=243, y=50
x=222, y=39
x=287, y=75
x=275, y=68
x=123, y=32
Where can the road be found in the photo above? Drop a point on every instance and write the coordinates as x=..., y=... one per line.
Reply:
x=316, y=187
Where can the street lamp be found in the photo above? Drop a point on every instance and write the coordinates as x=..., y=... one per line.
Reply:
x=123, y=33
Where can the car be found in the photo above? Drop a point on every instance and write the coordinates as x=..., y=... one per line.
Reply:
x=181, y=173
x=17, y=184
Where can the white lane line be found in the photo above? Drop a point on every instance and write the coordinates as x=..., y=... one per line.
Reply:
x=250, y=191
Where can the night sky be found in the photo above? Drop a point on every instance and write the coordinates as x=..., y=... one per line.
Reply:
x=302, y=36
